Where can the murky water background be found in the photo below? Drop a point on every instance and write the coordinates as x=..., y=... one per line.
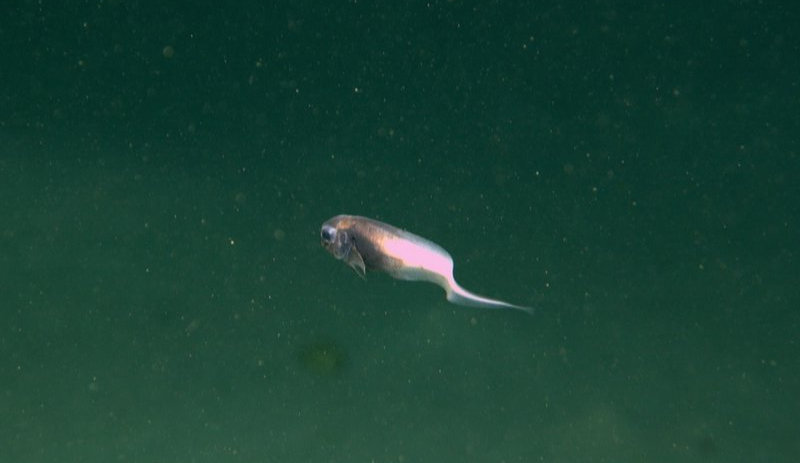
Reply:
x=630, y=171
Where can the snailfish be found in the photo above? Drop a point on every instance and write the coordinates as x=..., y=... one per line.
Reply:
x=364, y=243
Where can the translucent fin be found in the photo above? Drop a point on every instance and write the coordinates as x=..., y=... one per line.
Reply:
x=458, y=295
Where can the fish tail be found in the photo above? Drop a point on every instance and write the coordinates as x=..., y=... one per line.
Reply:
x=458, y=295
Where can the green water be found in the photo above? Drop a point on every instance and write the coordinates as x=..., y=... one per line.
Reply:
x=631, y=170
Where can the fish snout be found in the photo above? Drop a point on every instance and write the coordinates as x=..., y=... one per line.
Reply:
x=327, y=235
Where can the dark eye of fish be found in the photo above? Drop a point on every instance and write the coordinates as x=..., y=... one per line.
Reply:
x=327, y=234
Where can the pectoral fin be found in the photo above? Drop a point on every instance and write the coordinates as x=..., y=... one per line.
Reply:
x=355, y=261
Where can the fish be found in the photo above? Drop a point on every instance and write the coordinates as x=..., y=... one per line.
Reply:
x=367, y=244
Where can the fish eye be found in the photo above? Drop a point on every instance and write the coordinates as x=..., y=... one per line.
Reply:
x=327, y=233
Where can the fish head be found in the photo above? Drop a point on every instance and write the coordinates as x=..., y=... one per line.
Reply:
x=335, y=241
x=339, y=241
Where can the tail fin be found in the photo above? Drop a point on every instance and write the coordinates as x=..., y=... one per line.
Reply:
x=458, y=295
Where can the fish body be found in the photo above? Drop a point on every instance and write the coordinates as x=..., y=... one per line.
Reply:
x=365, y=243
